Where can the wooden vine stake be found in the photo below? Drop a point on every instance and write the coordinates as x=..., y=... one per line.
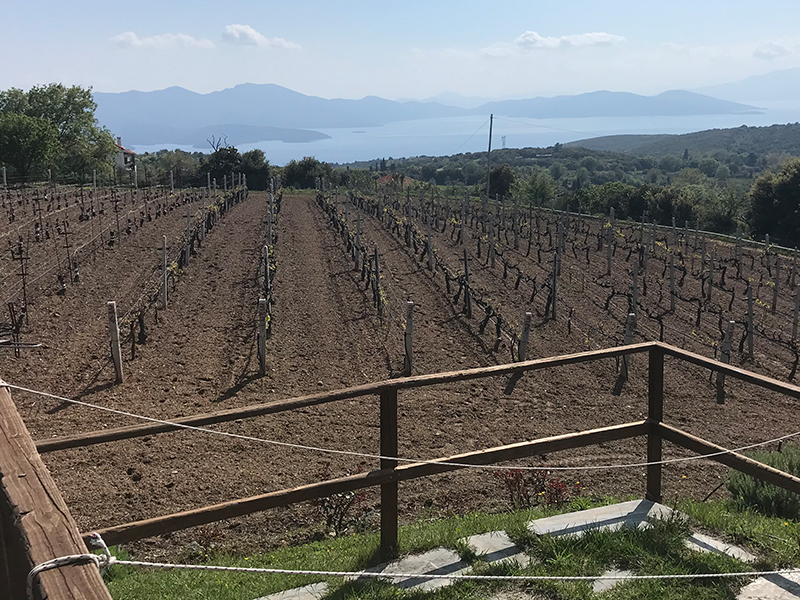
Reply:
x=430, y=244
x=408, y=339
x=378, y=296
x=113, y=330
x=522, y=352
x=262, y=336
x=467, y=296
x=725, y=357
x=553, y=294
x=672, y=283
x=776, y=283
x=490, y=250
x=796, y=315
x=627, y=363
x=750, y=321
x=164, y=292
x=609, y=244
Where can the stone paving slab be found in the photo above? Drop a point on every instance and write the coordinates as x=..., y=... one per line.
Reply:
x=773, y=587
x=615, y=516
x=315, y=591
x=602, y=585
x=439, y=561
x=496, y=546
x=706, y=543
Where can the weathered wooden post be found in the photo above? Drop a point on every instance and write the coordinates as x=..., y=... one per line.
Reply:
x=655, y=414
x=430, y=244
x=262, y=336
x=630, y=328
x=113, y=330
x=796, y=314
x=674, y=235
x=490, y=250
x=378, y=295
x=164, y=292
x=186, y=236
x=553, y=294
x=522, y=351
x=171, y=181
x=208, y=184
x=463, y=216
x=609, y=244
x=635, y=288
x=672, y=282
x=777, y=283
x=467, y=295
x=267, y=280
x=750, y=321
x=408, y=338
x=725, y=357
x=388, y=444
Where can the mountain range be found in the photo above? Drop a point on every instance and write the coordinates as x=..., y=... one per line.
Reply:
x=250, y=113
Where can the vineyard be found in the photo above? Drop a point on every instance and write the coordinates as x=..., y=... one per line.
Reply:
x=272, y=296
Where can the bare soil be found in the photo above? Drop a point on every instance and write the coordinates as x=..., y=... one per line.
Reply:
x=200, y=355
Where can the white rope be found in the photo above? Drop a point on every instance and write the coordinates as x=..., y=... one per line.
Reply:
x=100, y=560
x=106, y=559
x=395, y=458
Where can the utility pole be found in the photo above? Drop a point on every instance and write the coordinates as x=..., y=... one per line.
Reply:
x=488, y=170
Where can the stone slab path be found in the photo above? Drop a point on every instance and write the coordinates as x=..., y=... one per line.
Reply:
x=496, y=547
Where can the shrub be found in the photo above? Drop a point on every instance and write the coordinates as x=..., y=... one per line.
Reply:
x=766, y=498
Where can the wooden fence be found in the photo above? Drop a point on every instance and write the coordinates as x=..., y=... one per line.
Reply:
x=391, y=472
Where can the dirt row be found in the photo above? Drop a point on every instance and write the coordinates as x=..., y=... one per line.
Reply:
x=201, y=356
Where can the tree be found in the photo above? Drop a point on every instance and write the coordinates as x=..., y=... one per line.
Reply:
x=85, y=145
x=256, y=168
x=501, y=178
x=536, y=190
x=27, y=144
x=221, y=163
x=304, y=173
x=775, y=205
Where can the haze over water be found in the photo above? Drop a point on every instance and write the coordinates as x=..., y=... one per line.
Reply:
x=436, y=137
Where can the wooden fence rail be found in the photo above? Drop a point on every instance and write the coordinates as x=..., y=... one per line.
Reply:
x=392, y=471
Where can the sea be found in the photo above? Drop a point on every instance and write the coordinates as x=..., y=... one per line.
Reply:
x=439, y=137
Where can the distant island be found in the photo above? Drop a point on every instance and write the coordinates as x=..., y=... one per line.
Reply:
x=252, y=113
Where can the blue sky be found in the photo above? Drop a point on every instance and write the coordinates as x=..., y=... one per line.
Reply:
x=398, y=49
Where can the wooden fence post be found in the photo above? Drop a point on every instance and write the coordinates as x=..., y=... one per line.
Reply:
x=164, y=292
x=262, y=336
x=655, y=414
x=725, y=357
x=388, y=443
x=408, y=339
x=113, y=330
x=522, y=351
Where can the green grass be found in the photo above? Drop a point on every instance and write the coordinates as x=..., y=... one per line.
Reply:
x=658, y=549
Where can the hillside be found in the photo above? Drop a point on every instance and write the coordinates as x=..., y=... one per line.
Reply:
x=760, y=140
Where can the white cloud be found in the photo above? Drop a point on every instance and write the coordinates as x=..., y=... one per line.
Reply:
x=244, y=35
x=160, y=42
x=531, y=41
x=770, y=50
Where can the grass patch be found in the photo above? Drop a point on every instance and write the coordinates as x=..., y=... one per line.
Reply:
x=750, y=492
x=658, y=549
